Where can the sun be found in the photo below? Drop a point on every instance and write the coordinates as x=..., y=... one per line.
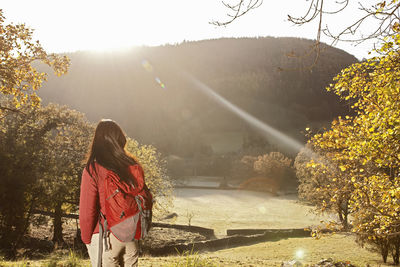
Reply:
x=106, y=36
x=102, y=26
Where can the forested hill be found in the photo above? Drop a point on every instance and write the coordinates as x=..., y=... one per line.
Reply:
x=147, y=89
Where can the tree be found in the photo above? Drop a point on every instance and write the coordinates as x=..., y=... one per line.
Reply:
x=319, y=171
x=41, y=162
x=19, y=77
x=21, y=164
x=154, y=167
x=367, y=147
x=64, y=148
x=373, y=86
x=42, y=155
x=274, y=164
x=238, y=9
x=361, y=153
x=384, y=14
x=274, y=172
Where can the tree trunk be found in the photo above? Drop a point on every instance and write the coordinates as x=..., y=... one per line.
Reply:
x=341, y=219
x=346, y=215
x=384, y=250
x=343, y=212
x=396, y=251
x=25, y=225
x=57, y=225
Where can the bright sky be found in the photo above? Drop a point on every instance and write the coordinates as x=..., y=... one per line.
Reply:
x=70, y=25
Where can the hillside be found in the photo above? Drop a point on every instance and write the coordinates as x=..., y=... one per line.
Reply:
x=147, y=91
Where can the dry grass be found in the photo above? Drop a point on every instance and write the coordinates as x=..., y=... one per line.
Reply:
x=339, y=247
x=221, y=210
x=231, y=209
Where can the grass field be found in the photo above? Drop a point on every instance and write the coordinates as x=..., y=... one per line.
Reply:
x=307, y=250
x=339, y=247
x=230, y=209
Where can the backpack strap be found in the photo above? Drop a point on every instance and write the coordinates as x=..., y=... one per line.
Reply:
x=143, y=223
x=103, y=237
x=100, y=253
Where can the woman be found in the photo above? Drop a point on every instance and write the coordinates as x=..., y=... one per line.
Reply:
x=106, y=155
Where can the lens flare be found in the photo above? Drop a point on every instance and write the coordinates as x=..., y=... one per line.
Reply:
x=250, y=119
x=262, y=209
x=160, y=82
x=147, y=66
x=300, y=254
x=268, y=131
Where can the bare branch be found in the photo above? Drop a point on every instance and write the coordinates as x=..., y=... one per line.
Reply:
x=385, y=14
x=11, y=109
x=304, y=19
x=345, y=3
x=238, y=11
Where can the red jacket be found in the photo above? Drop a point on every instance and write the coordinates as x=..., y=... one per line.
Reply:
x=92, y=198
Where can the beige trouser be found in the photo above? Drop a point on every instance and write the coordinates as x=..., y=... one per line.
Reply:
x=120, y=253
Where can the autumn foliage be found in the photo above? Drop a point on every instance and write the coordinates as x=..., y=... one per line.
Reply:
x=271, y=171
x=155, y=169
x=42, y=153
x=20, y=77
x=355, y=164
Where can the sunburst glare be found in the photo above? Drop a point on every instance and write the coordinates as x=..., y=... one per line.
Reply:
x=266, y=129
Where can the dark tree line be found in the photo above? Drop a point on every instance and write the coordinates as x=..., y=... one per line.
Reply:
x=146, y=89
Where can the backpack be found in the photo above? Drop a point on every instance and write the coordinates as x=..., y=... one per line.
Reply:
x=128, y=211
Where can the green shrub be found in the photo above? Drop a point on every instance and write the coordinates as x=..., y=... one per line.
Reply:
x=155, y=171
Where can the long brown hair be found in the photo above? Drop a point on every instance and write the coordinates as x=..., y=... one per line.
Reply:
x=107, y=149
